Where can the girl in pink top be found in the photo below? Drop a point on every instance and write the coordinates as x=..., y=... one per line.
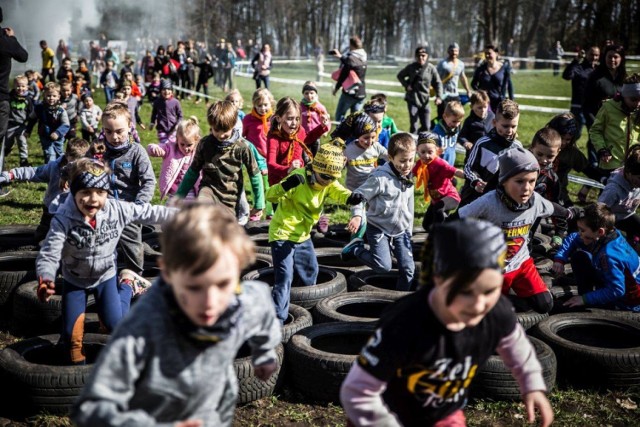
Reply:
x=434, y=174
x=255, y=125
x=177, y=157
x=312, y=111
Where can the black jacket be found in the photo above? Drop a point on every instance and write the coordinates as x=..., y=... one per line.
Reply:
x=9, y=49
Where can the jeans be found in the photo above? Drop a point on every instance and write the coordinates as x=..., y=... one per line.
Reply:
x=577, y=111
x=345, y=103
x=289, y=259
x=109, y=93
x=131, y=245
x=15, y=134
x=378, y=257
x=51, y=149
x=260, y=78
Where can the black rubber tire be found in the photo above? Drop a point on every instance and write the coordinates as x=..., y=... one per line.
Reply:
x=371, y=281
x=18, y=237
x=330, y=282
x=320, y=357
x=251, y=388
x=40, y=387
x=541, y=244
x=495, y=381
x=330, y=258
x=359, y=307
x=262, y=261
x=543, y=264
x=151, y=231
x=526, y=317
x=298, y=319
x=262, y=243
x=256, y=227
x=563, y=293
x=151, y=252
x=593, y=349
x=16, y=268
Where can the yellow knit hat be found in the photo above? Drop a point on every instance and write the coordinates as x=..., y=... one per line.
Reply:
x=330, y=158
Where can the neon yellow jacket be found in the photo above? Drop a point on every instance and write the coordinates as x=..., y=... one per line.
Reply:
x=299, y=208
x=615, y=130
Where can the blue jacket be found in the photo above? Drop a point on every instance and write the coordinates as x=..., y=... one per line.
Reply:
x=618, y=268
x=49, y=173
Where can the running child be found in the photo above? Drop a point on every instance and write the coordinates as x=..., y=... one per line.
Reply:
x=166, y=113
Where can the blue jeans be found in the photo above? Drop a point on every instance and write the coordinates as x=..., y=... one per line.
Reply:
x=577, y=111
x=109, y=93
x=449, y=155
x=291, y=258
x=51, y=149
x=378, y=257
x=264, y=79
x=345, y=103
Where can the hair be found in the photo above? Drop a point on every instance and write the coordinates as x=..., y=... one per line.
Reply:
x=598, y=215
x=508, y=109
x=64, y=82
x=284, y=105
x=622, y=68
x=633, y=78
x=261, y=94
x=125, y=82
x=20, y=78
x=454, y=108
x=479, y=96
x=157, y=75
x=560, y=122
x=222, y=115
x=66, y=59
x=76, y=149
x=113, y=110
x=548, y=137
x=492, y=47
x=189, y=129
x=632, y=160
x=29, y=73
x=401, y=142
x=119, y=96
x=234, y=93
x=97, y=149
x=51, y=87
x=355, y=42
x=81, y=59
x=194, y=238
x=380, y=97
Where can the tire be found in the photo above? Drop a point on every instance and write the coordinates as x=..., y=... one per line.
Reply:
x=16, y=268
x=251, y=388
x=256, y=227
x=151, y=252
x=358, y=307
x=371, y=281
x=29, y=371
x=18, y=238
x=262, y=261
x=151, y=231
x=593, y=349
x=541, y=244
x=262, y=243
x=329, y=283
x=543, y=264
x=298, y=319
x=495, y=381
x=563, y=293
x=526, y=317
x=320, y=357
x=330, y=258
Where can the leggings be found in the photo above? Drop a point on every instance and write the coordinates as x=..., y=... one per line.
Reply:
x=438, y=211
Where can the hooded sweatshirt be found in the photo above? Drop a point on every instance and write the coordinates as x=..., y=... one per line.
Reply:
x=355, y=60
x=49, y=173
x=620, y=196
x=615, y=129
x=133, y=179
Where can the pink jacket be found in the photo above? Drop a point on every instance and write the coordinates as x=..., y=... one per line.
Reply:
x=252, y=131
x=312, y=117
x=172, y=164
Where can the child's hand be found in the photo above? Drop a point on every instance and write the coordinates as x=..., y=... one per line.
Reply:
x=90, y=129
x=175, y=201
x=354, y=224
x=265, y=172
x=155, y=150
x=480, y=185
x=537, y=399
x=296, y=164
x=605, y=155
x=326, y=120
x=575, y=301
x=46, y=289
x=468, y=145
x=558, y=268
x=265, y=371
x=54, y=136
x=189, y=423
x=256, y=212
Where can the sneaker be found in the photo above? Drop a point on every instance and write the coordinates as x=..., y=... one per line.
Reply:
x=138, y=284
x=4, y=192
x=556, y=241
x=359, y=234
x=255, y=217
x=24, y=163
x=349, y=252
x=323, y=224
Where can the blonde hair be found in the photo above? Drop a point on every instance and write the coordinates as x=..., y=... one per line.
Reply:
x=454, y=108
x=283, y=106
x=51, y=87
x=234, y=93
x=189, y=129
x=222, y=115
x=113, y=110
x=20, y=78
x=194, y=238
x=263, y=94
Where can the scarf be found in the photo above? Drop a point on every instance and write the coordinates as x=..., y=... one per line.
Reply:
x=235, y=135
x=405, y=181
x=422, y=178
x=264, y=118
x=120, y=148
x=511, y=204
x=293, y=140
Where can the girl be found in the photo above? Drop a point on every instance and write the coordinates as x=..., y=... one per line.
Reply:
x=421, y=376
x=83, y=237
x=434, y=174
x=287, y=140
x=177, y=157
x=312, y=111
x=235, y=96
x=90, y=117
x=166, y=113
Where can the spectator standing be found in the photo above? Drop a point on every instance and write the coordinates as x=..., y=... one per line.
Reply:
x=578, y=72
x=494, y=77
x=451, y=70
x=48, y=69
x=355, y=60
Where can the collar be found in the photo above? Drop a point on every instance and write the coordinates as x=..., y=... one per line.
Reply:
x=511, y=204
x=405, y=181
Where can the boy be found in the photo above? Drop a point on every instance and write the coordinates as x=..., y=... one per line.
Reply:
x=90, y=118
x=71, y=105
x=448, y=128
x=312, y=111
x=388, y=124
x=65, y=71
x=482, y=163
x=479, y=122
x=53, y=122
x=220, y=157
x=20, y=108
x=300, y=198
x=155, y=87
x=170, y=362
x=166, y=113
x=606, y=267
x=34, y=84
x=49, y=173
x=388, y=192
x=514, y=206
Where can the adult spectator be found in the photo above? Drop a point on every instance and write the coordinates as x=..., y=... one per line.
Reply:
x=62, y=51
x=417, y=78
x=578, y=71
x=556, y=53
x=451, y=70
x=261, y=64
x=48, y=70
x=494, y=77
x=9, y=49
x=352, y=97
x=318, y=52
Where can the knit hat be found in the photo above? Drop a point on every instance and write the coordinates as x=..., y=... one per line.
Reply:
x=453, y=45
x=309, y=86
x=330, y=159
x=371, y=107
x=421, y=49
x=95, y=177
x=516, y=160
x=166, y=84
x=361, y=124
x=565, y=125
x=429, y=137
x=468, y=244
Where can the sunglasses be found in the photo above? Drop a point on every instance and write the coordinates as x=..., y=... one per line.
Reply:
x=326, y=177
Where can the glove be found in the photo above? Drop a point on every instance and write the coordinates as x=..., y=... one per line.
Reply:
x=5, y=177
x=292, y=181
x=575, y=213
x=355, y=199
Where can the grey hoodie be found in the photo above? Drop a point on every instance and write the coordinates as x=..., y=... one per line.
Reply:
x=49, y=173
x=390, y=201
x=620, y=196
x=87, y=254
x=150, y=374
x=133, y=178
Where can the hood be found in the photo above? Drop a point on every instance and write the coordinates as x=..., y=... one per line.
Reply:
x=62, y=204
x=360, y=53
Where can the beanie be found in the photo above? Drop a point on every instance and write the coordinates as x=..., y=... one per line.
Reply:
x=309, y=86
x=166, y=84
x=516, y=160
x=371, y=107
x=361, y=124
x=421, y=49
x=330, y=158
x=429, y=137
x=453, y=45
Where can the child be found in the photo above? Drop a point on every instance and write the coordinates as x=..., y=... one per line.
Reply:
x=34, y=84
x=190, y=326
x=132, y=176
x=421, y=376
x=287, y=140
x=375, y=110
x=434, y=174
x=53, y=122
x=49, y=173
x=482, y=163
x=71, y=104
x=606, y=267
x=109, y=81
x=388, y=124
x=155, y=87
x=235, y=97
x=177, y=157
x=388, y=192
x=478, y=123
x=90, y=118
x=206, y=72
x=300, y=198
x=65, y=72
x=311, y=111
x=166, y=114
x=255, y=125
x=83, y=237
x=448, y=128
x=130, y=101
x=363, y=154
x=514, y=206
x=20, y=108
x=220, y=157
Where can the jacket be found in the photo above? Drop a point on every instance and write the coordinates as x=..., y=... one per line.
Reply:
x=254, y=132
x=166, y=114
x=173, y=163
x=49, y=173
x=600, y=87
x=133, y=179
x=615, y=129
x=620, y=196
x=578, y=73
x=355, y=60
x=419, y=79
x=9, y=49
x=20, y=108
x=49, y=119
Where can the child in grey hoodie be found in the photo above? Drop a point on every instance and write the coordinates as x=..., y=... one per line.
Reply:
x=170, y=361
x=83, y=237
